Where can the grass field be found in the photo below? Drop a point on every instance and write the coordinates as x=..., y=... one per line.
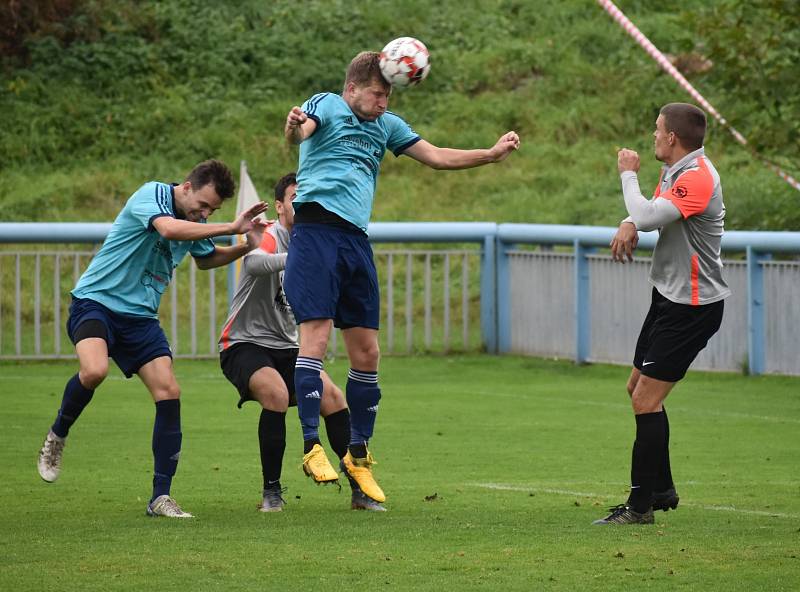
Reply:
x=494, y=469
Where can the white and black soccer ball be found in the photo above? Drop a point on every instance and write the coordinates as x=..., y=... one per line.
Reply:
x=405, y=62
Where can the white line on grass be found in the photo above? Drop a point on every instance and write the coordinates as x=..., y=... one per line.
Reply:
x=535, y=489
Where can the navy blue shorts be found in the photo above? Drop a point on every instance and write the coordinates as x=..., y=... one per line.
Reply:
x=330, y=274
x=132, y=341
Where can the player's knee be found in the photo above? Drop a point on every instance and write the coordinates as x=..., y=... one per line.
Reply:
x=167, y=392
x=644, y=404
x=92, y=375
x=631, y=387
x=366, y=356
x=274, y=400
x=314, y=347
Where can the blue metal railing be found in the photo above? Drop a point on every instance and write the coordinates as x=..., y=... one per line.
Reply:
x=496, y=241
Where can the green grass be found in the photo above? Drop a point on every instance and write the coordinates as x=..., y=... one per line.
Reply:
x=521, y=455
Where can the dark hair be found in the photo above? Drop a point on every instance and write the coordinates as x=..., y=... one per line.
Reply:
x=687, y=122
x=214, y=172
x=365, y=69
x=282, y=184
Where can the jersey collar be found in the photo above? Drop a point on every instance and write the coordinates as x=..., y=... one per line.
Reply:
x=681, y=164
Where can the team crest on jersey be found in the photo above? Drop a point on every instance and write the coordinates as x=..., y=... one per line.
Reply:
x=348, y=120
x=680, y=191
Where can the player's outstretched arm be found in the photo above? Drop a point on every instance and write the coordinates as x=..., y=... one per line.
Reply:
x=224, y=255
x=299, y=126
x=183, y=230
x=454, y=158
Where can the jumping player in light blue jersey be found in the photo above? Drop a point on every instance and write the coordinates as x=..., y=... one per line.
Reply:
x=114, y=311
x=330, y=278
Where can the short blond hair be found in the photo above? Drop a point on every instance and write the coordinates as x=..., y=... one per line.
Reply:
x=364, y=69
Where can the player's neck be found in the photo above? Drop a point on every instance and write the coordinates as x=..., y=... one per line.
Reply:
x=677, y=154
x=180, y=195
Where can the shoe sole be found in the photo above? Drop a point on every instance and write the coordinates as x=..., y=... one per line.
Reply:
x=375, y=507
x=46, y=480
x=151, y=514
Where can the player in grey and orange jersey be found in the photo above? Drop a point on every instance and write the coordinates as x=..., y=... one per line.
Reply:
x=687, y=298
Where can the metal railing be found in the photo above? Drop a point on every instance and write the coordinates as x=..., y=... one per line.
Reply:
x=489, y=293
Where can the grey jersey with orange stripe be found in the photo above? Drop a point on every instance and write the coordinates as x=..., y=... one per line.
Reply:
x=686, y=267
x=259, y=311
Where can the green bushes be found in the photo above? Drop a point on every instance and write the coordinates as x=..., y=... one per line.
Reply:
x=122, y=92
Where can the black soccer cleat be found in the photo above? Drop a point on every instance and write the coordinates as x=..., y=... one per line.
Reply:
x=624, y=514
x=665, y=500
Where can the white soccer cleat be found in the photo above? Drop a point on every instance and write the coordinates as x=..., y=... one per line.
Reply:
x=49, y=464
x=164, y=505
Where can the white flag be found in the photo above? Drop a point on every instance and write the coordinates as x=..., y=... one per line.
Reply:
x=248, y=196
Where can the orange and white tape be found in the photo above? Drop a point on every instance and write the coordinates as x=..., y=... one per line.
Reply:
x=662, y=61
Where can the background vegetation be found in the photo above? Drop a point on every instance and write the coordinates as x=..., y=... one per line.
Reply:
x=98, y=96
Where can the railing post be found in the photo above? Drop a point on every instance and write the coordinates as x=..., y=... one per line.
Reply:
x=583, y=310
x=755, y=311
x=489, y=294
x=503, y=298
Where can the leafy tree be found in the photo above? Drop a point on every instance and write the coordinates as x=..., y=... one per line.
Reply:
x=755, y=50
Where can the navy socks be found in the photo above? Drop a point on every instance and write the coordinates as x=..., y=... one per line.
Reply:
x=363, y=395
x=76, y=398
x=308, y=388
x=167, y=438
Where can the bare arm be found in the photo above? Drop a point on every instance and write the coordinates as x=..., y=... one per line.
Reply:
x=453, y=158
x=173, y=229
x=299, y=126
x=224, y=255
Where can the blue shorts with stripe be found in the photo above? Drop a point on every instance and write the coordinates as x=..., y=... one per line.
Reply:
x=330, y=274
x=132, y=341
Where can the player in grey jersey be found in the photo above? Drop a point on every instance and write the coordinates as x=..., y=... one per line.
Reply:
x=258, y=350
x=687, y=297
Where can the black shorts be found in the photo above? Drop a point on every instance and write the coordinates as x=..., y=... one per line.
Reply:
x=240, y=361
x=672, y=335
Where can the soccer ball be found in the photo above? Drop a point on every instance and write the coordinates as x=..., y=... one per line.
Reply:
x=405, y=62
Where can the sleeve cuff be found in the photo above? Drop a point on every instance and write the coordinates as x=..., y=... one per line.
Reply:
x=153, y=217
x=399, y=151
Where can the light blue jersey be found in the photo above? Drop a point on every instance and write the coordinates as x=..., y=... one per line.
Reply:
x=134, y=266
x=340, y=162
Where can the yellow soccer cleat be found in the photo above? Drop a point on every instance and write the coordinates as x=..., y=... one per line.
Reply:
x=317, y=466
x=358, y=469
